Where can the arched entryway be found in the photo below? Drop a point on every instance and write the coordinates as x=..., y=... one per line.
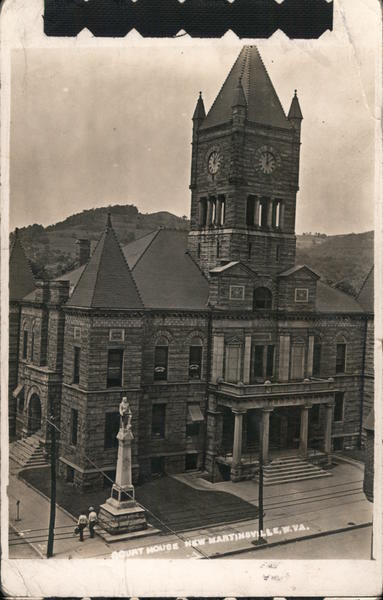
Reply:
x=34, y=414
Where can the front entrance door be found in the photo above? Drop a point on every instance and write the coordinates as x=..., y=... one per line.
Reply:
x=34, y=414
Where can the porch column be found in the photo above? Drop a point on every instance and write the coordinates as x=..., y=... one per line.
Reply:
x=256, y=212
x=265, y=433
x=237, y=444
x=284, y=357
x=304, y=431
x=247, y=359
x=328, y=431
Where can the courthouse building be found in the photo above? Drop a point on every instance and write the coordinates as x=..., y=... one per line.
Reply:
x=221, y=342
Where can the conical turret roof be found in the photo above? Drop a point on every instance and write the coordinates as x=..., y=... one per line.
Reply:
x=263, y=105
x=21, y=280
x=106, y=281
x=199, y=112
x=295, y=110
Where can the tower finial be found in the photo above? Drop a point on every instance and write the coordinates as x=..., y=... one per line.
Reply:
x=109, y=220
x=295, y=93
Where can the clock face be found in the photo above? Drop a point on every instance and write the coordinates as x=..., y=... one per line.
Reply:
x=267, y=159
x=267, y=162
x=214, y=162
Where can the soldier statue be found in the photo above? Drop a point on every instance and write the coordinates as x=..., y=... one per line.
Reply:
x=125, y=414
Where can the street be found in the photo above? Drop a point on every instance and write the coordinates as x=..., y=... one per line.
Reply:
x=354, y=544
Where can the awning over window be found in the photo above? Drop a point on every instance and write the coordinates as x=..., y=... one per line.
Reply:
x=16, y=392
x=194, y=413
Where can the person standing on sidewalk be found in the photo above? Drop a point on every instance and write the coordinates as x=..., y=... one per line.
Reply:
x=92, y=518
x=81, y=524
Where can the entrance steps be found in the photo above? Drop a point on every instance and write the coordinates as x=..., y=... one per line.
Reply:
x=290, y=469
x=28, y=452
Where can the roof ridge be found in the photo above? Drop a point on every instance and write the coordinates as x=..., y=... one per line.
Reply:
x=226, y=78
x=85, y=265
x=146, y=249
x=272, y=85
x=365, y=280
x=196, y=264
x=126, y=263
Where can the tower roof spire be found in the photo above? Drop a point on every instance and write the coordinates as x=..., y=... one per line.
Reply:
x=263, y=104
x=295, y=110
x=199, y=112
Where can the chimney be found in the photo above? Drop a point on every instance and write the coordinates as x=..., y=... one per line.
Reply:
x=83, y=251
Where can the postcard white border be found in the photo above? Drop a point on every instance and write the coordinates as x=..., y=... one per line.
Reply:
x=21, y=27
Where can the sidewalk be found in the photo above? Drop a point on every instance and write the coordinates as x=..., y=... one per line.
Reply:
x=302, y=510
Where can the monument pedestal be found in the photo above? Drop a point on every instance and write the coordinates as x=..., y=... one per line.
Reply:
x=120, y=514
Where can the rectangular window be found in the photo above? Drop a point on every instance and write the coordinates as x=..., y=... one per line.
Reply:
x=160, y=363
x=73, y=426
x=339, y=406
x=237, y=292
x=297, y=361
x=203, y=211
x=195, y=362
x=340, y=366
x=112, y=426
x=116, y=335
x=232, y=363
x=277, y=254
x=77, y=333
x=192, y=429
x=76, y=365
x=301, y=295
x=258, y=361
x=263, y=211
x=158, y=420
x=25, y=344
x=316, y=360
x=114, y=375
x=270, y=362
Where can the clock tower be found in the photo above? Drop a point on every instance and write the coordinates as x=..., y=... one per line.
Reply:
x=244, y=173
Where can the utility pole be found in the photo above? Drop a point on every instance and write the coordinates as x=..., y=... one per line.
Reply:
x=261, y=540
x=52, y=516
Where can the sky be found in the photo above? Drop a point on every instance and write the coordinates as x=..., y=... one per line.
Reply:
x=93, y=127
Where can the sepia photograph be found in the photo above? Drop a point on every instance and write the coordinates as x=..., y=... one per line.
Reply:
x=190, y=307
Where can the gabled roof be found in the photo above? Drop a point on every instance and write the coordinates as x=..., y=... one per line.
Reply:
x=230, y=265
x=106, y=281
x=297, y=268
x=21, y=280
x=263, y=105
x=365, y=296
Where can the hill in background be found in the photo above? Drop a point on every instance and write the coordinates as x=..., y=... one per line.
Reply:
x=342, y=260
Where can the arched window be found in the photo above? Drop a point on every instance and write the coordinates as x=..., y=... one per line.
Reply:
x=262, y=298
x=195, y=358
x=161, y=359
